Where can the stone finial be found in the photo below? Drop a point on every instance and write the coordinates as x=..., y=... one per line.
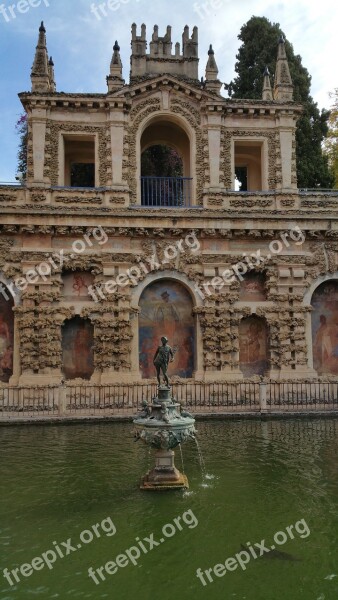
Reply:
x=51, y=75
x=115, y=80
x=40, y=75
x=267, y=90
x=283, y=89
x=212, y=82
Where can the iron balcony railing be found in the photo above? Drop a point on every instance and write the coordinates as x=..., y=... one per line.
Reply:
x=171, y=192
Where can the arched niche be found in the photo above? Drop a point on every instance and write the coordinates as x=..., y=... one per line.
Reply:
x=254, y=346
x=77, y=348
x=168, y=133
x=166, y=308
x=324, y=326
x=6, y=334
x=172, y=131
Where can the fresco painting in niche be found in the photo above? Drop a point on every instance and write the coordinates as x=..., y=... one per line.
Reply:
x=77, y=348
x=253, y=346
x=166, y=309
x=252, y=288
x=75, y=285
x=325, y=328
x=6, y=338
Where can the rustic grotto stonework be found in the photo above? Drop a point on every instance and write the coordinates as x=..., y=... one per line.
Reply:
x=46, y=215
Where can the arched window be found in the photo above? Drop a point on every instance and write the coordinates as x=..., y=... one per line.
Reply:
x=77, y=348
x=324, y=319
x=6, y=334
x=165, y=165
x=253, y=346
x=166, y=309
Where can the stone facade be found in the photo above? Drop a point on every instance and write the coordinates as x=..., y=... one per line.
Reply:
x=49, y=221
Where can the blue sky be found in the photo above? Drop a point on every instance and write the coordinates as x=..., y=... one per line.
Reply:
x=81, y=44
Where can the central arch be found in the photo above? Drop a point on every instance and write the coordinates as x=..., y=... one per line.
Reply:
x=164, y=132
x=171, y=132
x=166, y=308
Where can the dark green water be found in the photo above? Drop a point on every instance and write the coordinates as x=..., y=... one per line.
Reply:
x=57, y=481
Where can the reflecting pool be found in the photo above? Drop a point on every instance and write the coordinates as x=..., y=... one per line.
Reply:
x=57, y=482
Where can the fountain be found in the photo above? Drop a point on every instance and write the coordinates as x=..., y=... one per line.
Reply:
x=164, y=426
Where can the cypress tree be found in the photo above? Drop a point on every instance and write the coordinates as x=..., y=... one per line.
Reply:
x=259, y=39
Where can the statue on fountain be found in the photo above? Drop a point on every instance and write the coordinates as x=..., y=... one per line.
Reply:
x=162, y=426
x=163, y=356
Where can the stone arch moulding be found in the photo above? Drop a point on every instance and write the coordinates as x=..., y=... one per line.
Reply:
x=307, y=302
x=318, y=281
x=196, y=301
x=321, y=326
x=180, y=122
x=6, y=282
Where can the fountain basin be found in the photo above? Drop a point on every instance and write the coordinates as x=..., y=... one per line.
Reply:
x=163, y=426
x=165, y=429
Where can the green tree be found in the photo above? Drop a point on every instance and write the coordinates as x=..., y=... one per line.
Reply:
x=259, y=39
x=331, y=142
x=22, y=130
x=161, y=161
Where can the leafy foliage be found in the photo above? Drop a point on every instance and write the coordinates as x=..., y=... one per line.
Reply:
x=331, y=142
x=22, y=130
x=259, y=39
x=161, y=161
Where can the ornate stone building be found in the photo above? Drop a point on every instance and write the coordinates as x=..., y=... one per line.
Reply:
x=104, y=247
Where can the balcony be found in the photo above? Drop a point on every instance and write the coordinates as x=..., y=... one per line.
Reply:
x=166, y=192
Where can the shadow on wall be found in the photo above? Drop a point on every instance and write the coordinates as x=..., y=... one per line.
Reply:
x=6, y=336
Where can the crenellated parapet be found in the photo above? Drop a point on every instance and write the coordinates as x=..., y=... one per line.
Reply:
x=160, y=59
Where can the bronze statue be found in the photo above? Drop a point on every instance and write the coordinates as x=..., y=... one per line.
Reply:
x=163, y=355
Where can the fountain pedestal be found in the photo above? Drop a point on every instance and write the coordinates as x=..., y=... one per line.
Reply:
x=164, y=476
x=163, y=426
